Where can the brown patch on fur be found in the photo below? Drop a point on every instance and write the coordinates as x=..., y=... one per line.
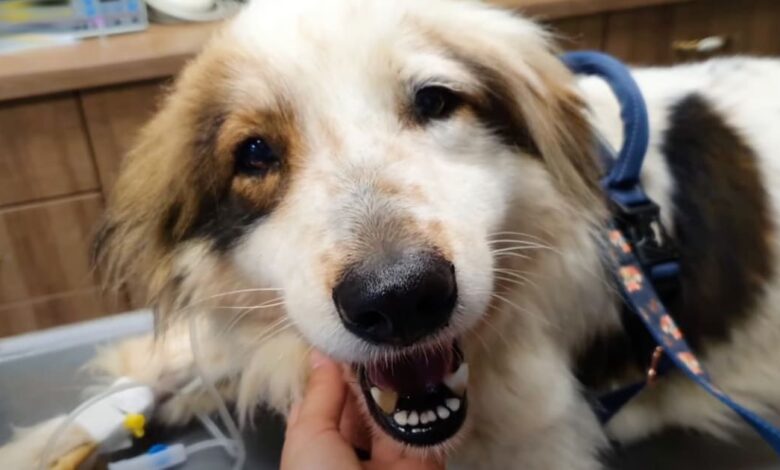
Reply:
x=722, y=221
x=415, y=194
x=436, y=233
x=387, y=188
x=412, y=194
x=178, y=187
x=277, y=127
x=331, y=268
x=542, y=115
x=724, y=230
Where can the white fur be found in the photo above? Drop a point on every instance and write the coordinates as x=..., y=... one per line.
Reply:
x=343, y=64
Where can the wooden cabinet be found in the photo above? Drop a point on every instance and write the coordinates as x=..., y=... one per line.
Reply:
x=44, y=263
x=58, y=309
x=44, y=151
x=114, y=115
x=45, y=247
x=60, y=157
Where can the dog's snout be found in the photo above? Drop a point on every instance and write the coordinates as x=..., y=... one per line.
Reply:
x=397, y=301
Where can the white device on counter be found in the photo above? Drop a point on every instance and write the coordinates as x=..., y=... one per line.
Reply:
x=167, y=11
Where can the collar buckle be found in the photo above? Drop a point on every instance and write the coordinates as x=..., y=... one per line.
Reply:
x=641, y=224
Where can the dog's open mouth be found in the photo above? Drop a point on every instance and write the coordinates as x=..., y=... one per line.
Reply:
x=418, y=399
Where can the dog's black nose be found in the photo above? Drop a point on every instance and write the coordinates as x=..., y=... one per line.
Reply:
x=397, y=301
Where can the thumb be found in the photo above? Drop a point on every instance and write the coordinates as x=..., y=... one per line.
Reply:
x=324, y=396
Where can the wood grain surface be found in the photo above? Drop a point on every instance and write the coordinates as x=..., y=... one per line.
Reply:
x=162, y=50
x=43, y=150
x=114, y=116
x=44, y=247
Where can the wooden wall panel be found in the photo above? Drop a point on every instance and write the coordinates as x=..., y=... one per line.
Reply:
x=45, y=247
x=114, y=116
x=43, y=150
x=642, y=36
x=750, y=26
x=584, y=32
x=650, y=36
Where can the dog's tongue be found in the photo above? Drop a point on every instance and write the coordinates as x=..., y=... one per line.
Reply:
x=413, y=374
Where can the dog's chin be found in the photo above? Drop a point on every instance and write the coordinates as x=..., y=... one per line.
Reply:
x=418, y=398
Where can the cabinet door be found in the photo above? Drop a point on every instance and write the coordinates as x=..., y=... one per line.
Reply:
x=114, y=115
x=45, y=247
x=44, y=150
x=45, y=276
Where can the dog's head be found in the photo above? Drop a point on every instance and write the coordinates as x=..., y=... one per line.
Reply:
x=366, y=158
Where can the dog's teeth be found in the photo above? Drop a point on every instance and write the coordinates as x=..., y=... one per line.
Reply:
x=453, y=403
x=443, y=412
x=430, y=416
x=458, y=380
x=401, y=418
x=414, y=418
x=386, y=400
x=424, y=417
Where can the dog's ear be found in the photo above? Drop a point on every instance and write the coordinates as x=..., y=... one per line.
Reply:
x=532, y=96
x=165, y=181
x=554, y=112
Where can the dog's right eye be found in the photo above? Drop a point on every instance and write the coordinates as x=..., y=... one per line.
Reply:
x=435, y=102
x=255, y=156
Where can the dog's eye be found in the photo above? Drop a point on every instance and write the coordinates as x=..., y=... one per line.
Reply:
x=255, y=156
x=435, y=102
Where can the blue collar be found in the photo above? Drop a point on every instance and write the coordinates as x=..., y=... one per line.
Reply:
x=642, y=257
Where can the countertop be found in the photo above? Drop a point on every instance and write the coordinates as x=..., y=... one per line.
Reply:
x=161, y=51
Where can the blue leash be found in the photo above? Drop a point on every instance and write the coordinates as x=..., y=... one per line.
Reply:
x=642, y=256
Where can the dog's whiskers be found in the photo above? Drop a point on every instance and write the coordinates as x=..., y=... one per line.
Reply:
x=519, y=248
x=278, y=302
x=497, y=330
x=235, y=292
x=509, y=280
x=519, y=308
x=274, y=329
x=512, y=254
x=523, y=235
x=516, y=273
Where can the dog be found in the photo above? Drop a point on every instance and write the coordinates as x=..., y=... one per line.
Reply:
x=413, y=189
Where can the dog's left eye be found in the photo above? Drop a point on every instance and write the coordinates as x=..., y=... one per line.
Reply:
x=255, y=156
x=435, y=102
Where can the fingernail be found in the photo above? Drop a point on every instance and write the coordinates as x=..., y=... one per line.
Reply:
x=317, y=359
x=294, y=412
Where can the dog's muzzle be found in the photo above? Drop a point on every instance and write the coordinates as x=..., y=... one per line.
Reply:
x=418, y=396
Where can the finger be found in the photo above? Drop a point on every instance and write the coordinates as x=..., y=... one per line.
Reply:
x=295, y=411
x=325, y=394
x=404, y=464
x=352, y=426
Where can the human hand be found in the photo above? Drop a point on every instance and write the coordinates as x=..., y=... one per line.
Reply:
x=314, y=440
